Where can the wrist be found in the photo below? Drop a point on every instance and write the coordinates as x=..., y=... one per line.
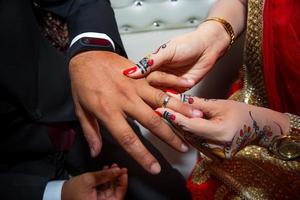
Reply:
x=270, y=123
x=84, y=58
x=216, y=34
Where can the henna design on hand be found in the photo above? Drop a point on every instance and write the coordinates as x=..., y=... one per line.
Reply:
x=169, y=117
x=186, y=98
x=163, y=46
x=144, y=64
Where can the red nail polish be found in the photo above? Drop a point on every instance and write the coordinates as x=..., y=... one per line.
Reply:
x=241, y=133
x=173, y=117
x=150, y=62
x=191, y=100
x=130, y=70
x=158, y=113
x=171, y=91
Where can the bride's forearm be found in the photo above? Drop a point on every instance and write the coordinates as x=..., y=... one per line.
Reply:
x=233, y=11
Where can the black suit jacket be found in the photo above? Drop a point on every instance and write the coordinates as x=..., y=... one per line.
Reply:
x=35, y=88
x=35, y=91
x=33, y=74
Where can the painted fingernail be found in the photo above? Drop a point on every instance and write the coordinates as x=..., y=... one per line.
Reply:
x=191, y=100
x=130, y=70
x=172, y=117
x=143, y=65
x=169, y=117
x=158, y=113
x=155, y=168
x=197, y=113
x=184, y=98
x=171, y=91
x=150, y=62
x=184, y=148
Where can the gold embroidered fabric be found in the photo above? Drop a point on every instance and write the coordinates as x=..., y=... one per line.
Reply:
x=253, y=173
x=253, y=91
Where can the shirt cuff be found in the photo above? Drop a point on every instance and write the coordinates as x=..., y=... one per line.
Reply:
x=93, y=35
x=53, y=190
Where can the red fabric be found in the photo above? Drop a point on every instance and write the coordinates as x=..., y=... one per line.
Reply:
x=203, y=191
x=281, y=54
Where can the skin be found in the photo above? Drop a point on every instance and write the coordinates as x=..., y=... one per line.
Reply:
x=186, y=59
x=109, y=184
x=231, y=123
x=102, y=94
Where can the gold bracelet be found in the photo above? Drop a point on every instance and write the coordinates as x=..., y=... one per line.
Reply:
x=227, y=26
x=287, y=147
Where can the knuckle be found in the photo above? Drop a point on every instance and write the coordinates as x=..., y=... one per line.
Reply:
x=161, y=75
x=128, y=139
x=171, y=138
x=160, y=98
x=154, y=122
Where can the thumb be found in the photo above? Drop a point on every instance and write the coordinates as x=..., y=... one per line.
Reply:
x=150, y=62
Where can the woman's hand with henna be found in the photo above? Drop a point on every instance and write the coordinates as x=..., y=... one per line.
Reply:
x=228, y=126
x=184, y=60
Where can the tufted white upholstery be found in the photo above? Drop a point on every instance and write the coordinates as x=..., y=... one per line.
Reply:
x=151, y=15
x=137, y=21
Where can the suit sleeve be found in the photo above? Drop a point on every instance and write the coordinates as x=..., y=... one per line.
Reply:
x=16, y=186
x=86, y=16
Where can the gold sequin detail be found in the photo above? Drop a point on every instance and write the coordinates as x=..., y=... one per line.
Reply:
x=221, y=192
x=253, y=91
x=200, y=175
x=254, y=174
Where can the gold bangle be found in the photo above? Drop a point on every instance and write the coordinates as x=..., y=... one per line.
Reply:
x=227, y=26
x=287, y=147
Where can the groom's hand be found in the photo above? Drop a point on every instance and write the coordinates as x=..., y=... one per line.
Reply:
x=102, y=93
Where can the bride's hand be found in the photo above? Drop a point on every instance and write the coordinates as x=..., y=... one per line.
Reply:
x=184, y=60
x=228, y=125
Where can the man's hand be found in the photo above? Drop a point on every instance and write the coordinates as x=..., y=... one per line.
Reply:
x=108, y=184
x=102, y=93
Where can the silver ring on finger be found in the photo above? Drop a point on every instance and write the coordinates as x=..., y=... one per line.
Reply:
x=166, y=101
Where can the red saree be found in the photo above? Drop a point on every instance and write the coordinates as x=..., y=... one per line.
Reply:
x=281, y=71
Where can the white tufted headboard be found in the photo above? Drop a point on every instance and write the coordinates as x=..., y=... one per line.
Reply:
x=152, y=15
x=144, y=25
